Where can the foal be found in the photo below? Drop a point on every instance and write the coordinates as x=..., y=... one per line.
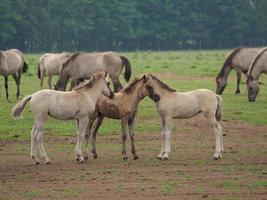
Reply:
x=122, y=106
x=77, y=105
x=177, y=105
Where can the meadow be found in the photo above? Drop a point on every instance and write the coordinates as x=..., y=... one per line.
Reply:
x=181, y=70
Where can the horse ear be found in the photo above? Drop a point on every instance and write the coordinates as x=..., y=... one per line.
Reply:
x=145, y=77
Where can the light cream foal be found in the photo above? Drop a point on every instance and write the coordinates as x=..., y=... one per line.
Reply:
x=181, y=105
x=77, y=104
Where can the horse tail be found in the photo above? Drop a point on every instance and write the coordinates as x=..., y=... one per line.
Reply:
x=18, y=108
x=128, y=68
x=38, y=70
x=219, y=112
x=25, y=66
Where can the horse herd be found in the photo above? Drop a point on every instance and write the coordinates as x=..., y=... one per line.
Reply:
x=90, y=98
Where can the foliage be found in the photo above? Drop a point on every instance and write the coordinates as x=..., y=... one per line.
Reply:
x=58, y=25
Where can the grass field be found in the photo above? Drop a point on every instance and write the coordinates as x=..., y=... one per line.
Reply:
x=184, y=71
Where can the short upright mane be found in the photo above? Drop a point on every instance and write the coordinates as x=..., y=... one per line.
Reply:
x=163, y=85
x=89, y=83
x=129, y=87
x=228, y=60
x=255, y=61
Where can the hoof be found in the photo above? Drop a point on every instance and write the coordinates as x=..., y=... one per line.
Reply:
x=95, y=156
x=37, y=163
x=48, y=163
x=165, y=158
x=81, y=161
x=237, y=92
x=125, y=158
x=136, y=157
x=217, y=157
x=159, y=157
x=86, y=158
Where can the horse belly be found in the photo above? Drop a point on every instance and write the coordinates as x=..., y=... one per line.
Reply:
x=14, y=64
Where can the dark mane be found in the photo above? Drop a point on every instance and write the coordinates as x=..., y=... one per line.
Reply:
x=254, y=62
x=71, y=58
x=163, y=85
x=228, y=60
x=130, y=86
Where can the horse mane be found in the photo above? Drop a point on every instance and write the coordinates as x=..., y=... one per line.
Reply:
x=86, y=83
x=162, y=85
x=254, y=62
x=129, y=87
x=71, y=58
x=229, y=59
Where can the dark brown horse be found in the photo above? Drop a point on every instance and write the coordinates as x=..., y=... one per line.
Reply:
x=83, y=65
x=12, y=63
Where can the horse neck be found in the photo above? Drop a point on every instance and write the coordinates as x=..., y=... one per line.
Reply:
x=226, y=71
x=63, y=78
x=137, y=93
x=255, y=72
x=94, y=92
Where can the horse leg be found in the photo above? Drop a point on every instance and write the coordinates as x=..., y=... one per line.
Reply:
x=167, y=138
x=94, y=131
x=116, y=83
x=131, y=133
x=82, y=125
x=124, y=138
x=39, y=136
x=17, y=80
x=49, y=81
x=238, y=76
x=217, y=129
x=6, y=86
x=87, y=136
x=163, y=129
x=34, y=144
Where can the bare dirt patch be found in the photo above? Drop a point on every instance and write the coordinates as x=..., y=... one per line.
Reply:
x=190, y=173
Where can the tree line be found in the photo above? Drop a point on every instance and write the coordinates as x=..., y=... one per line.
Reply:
x=90, y=25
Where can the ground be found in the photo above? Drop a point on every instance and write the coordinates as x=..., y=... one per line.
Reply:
x=190, y=173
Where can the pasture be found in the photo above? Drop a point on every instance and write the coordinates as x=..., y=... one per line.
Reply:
x=190, y=173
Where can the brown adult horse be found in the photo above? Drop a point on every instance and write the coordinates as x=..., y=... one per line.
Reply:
x=123, y=106
x=239, y=59
x=82, y=65
x=12, y=63
x=258, y=67
x=51, y=64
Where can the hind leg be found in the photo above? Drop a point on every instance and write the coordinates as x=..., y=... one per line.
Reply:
x=116, y=83
x=87, y=136
x=49, y=81
x=39, y=136
x=94, y=131
x=131, y=133
x=17, y=80
x=34, y=144
x=6, y=86
x=217, y=129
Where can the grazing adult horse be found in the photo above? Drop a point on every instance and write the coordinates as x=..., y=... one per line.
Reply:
x=51, y=64
x=122, y=106
x=77, y=105
x=258, y=67
x=181, y=105
x=82, y=65
x=12, y=63
x=240, y=60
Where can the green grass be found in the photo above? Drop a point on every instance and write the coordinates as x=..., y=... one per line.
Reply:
x=182, y=70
